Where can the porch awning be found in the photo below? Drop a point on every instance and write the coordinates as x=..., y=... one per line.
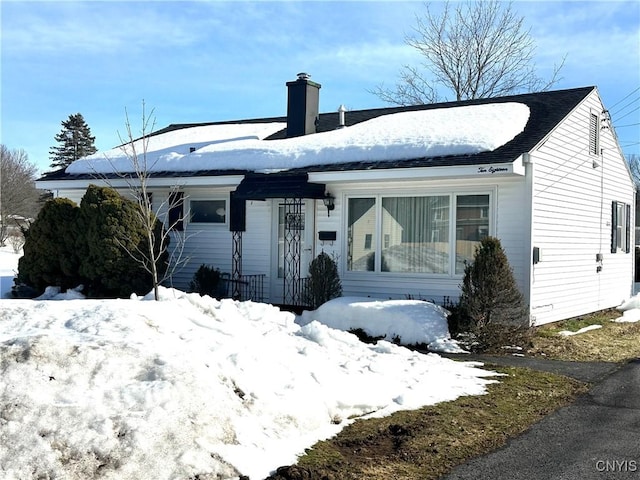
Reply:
x=257, y=186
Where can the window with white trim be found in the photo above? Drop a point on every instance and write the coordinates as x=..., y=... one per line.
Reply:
x=620, y=227
x=430, y=234
x=208, y=211
x=472, y=225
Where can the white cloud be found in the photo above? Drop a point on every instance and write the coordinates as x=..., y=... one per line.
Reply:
x=76, y=28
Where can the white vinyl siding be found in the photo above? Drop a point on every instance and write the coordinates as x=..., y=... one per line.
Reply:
x=572, y=198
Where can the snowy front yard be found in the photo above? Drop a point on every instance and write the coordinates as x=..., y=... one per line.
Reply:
x=188, y=386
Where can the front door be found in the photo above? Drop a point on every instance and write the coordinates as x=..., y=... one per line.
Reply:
x=293, y=249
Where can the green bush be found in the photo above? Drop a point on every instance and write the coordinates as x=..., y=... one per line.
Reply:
x=101, y=244
x=114, y=245
x=206, y=281
x=457, y=320
x=50, y=255
x=324, y=281
x=491, y=300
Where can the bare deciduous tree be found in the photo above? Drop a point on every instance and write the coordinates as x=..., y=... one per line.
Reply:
x=18, y=194
x=158, y=243
x=633, y=159
x=477, y=49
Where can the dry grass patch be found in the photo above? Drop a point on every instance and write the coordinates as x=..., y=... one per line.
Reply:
x=427, y=443
x=614, y=342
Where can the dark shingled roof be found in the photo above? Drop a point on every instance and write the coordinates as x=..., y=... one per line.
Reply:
x=547, y=109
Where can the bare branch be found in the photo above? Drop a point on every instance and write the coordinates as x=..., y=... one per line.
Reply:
x=158, y=241
x=18, y=194
x=477, y=49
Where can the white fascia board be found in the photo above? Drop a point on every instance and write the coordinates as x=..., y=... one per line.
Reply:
x=515, y=168
x=171, y=182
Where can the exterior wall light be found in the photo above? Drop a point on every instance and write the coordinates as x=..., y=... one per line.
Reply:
x=328, y=202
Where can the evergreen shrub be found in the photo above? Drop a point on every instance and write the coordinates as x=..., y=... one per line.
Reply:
x=324, y=282
x=50, y=255
x=491, y=300
x=114, y=245
x=102, y=244
x=206, y=281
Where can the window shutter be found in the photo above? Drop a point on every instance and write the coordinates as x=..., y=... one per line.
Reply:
x=614, y=227
x=628, y=232
x=176, y=211
x=237, y=213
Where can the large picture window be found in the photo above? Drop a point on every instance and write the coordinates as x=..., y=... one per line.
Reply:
x=414, y=234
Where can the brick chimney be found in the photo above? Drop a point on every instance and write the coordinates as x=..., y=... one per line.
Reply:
x=302, y=106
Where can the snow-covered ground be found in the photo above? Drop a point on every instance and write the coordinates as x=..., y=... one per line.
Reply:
x=8, y=269
x=191, y=387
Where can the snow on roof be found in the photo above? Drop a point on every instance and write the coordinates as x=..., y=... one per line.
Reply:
x=415, y=134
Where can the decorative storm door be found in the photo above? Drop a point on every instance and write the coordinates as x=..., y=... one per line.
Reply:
x=294, y=239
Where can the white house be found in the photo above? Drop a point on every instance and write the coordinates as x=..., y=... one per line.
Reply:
x=410, y=192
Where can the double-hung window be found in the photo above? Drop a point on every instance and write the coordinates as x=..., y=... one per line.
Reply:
x=426, y=234
x=620, y=227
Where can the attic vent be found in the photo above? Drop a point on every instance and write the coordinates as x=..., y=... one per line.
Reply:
x=593, y=134
x=192, y=149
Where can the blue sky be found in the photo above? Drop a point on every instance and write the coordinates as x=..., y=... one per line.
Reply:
x=214, y=61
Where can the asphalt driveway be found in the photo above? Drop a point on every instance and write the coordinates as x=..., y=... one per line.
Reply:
x=597, y=437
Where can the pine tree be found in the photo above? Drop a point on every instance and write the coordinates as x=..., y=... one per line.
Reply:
x=489, y=290
x=491, y=302
x=75, y=141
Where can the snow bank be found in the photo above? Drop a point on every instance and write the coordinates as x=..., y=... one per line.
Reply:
x=55, y=293
x=630, y=310
x=191, y=386
x=569, y=333
x=406, y=135
x=413, y=321
x=630, y=304
x=629, y=316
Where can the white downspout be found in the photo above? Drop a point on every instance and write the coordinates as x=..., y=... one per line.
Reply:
x=529, y=206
